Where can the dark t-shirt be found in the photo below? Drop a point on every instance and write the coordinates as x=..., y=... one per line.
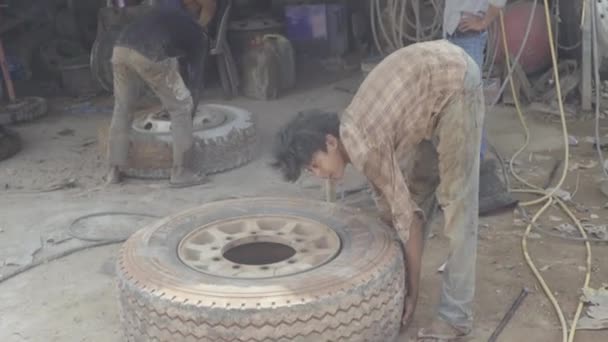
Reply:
x=163, y=33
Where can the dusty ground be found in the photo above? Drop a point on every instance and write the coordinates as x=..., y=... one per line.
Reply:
x=73, y=299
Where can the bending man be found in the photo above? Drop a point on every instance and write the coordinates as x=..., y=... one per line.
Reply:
x=414, y=130
x=166, y=49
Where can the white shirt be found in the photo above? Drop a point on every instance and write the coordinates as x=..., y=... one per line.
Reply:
x=454, y=9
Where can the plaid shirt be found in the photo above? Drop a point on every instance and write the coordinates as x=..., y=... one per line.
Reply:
x=395, y=108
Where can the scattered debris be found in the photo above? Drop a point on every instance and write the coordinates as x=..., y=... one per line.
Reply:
x=572, y=141
x=566, y=228
x=589, y=140
x=56, y=237
x=18, y=261
x=442, y=267
x=562, y=194
x=66, y=132
x=582, y=268
x=598, y=231
x=534, y=236
x=540, y=157
x=89, y=142
x=554, y=218
x=65, y=184
x=88, y=108
x=594, y=217
x=519, y=223
x=596, y=313
x=581, y=166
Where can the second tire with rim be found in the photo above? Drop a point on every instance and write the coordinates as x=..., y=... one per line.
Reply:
x=224, y=138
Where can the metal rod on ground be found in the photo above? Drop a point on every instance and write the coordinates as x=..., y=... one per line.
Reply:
x=6, y=74
x=507, y=318
x=330, y=190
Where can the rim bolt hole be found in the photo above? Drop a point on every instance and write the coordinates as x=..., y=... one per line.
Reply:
x=228, y=238
x=299, y=240
x=264, y=268
x=216, y=259
x=236, y=267
x=214, y=248
x=291, y=262
x=304, y=251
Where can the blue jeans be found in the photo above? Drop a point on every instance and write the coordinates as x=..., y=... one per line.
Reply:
x=474, y=45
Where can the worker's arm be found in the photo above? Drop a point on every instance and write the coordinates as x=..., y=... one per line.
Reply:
x=384, y=209
x=382, y=169
x=473, y=22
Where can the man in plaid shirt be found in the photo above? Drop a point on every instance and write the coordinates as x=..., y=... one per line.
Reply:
x=414, y=130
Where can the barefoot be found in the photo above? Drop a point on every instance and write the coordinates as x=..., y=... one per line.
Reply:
x=440, y=331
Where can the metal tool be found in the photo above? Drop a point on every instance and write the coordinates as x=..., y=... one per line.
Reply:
x=330, y=190
x=507, y=317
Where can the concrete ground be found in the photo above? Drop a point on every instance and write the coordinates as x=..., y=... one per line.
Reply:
x=74, y=299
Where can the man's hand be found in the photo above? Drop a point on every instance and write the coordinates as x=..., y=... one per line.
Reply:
x=472, y=22
x=408, y=311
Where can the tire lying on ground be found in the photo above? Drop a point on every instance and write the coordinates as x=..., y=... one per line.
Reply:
x=23, y=109
x=10, y=143
x=224, y=138
x=262, y=269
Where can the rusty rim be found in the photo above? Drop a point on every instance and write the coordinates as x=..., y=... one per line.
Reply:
x=160, y=121
x=259, y=247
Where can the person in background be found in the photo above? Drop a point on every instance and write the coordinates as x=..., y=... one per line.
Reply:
x=465, y=23
x=204, y=10
x=167, y=49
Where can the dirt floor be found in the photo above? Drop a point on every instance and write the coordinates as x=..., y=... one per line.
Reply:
x=73, y=299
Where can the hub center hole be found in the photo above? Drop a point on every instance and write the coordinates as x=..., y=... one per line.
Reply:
x=259, y=253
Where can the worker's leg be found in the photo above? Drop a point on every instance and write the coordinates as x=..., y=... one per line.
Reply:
x=459, y=132
x=166, y=82
x=474, y=44
x=126, y=83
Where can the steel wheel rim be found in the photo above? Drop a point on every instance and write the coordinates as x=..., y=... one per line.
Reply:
x=159, y=122
x=282, y=245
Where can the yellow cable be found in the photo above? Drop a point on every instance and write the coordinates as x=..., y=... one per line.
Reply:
x=547, y=196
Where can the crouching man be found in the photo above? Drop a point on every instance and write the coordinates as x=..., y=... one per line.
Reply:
x=414, y=130
x=167, y=50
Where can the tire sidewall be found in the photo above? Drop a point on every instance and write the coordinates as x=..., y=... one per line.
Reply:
x=365, y=244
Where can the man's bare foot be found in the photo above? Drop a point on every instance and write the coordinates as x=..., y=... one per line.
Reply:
x=440, y=331
x=113, y=176
x=181, y=178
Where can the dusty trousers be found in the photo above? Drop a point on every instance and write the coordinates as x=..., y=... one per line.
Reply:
x=163, y=77
x=444, y=172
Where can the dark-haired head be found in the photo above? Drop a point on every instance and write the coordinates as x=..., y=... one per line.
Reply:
x=311, y=141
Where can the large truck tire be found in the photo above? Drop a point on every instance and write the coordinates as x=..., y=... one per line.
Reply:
x=22, y=110
x=224, y=138
x=262, y=269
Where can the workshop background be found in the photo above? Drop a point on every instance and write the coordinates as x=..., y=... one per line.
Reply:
x=271, y=59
